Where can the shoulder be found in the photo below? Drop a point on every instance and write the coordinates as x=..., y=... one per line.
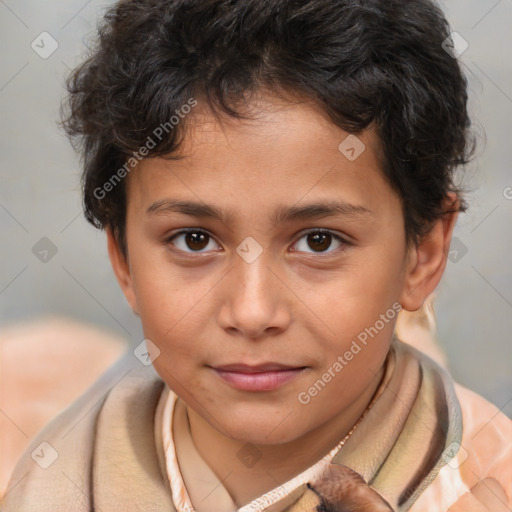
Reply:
x=64, y=449
x=479, y=477
x=47, y=363
x=487, y=441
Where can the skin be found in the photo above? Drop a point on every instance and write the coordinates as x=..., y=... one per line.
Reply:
x=300, y=304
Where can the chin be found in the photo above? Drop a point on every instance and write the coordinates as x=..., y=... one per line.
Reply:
x=260, y=439
x=275, y=432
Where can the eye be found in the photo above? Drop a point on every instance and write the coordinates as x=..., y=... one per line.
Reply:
x=197, y=241
x=194, y=239
x=320, y=240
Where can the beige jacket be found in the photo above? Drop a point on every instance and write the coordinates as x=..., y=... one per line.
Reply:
x=427, y=444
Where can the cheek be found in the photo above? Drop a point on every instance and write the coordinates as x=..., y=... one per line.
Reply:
x=182, y=377
x=162, y=297
x=169, y=320
x=377, y=281
x=358, y=299
x=360, y=312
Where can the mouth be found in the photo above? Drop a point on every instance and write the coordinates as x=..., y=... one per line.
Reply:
x=263, y=377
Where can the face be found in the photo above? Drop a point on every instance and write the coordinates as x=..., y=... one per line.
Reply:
x=273, y=278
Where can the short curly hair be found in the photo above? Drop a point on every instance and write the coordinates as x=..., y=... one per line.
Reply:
x=379, y=63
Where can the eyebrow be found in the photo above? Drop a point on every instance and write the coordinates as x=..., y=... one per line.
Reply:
x=281, y=215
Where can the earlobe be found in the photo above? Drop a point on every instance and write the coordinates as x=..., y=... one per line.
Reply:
x=427, y=259
x=121, y=269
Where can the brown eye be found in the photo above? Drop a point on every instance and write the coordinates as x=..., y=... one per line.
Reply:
x=193, y=240
x=319, y=241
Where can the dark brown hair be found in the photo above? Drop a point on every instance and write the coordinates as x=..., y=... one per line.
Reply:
x=373, y=62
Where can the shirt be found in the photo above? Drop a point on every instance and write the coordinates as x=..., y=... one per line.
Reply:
x=203, y=491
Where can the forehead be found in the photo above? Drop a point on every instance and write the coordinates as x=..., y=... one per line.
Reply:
x=288, y=151
x=275, y=124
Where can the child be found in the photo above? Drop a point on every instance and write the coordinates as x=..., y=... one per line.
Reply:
x=308, y=150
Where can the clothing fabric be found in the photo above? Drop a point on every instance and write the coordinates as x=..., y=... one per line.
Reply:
x=426, y=444
x=203, y=491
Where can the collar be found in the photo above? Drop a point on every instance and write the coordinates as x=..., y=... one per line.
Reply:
x=196, y=487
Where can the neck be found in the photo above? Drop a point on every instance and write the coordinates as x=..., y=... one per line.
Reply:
x=278, y=463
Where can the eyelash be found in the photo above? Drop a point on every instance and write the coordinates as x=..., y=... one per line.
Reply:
x=343, y=247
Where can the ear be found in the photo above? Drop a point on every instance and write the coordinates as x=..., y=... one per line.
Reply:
x=121, y=268
x=426, y=260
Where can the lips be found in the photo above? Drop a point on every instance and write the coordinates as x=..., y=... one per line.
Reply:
x=261, y=377
x=260, y=368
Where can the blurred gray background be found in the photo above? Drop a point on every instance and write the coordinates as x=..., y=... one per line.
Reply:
x=40, y=206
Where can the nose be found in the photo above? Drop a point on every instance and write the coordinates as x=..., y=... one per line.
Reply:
x=255, y=300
